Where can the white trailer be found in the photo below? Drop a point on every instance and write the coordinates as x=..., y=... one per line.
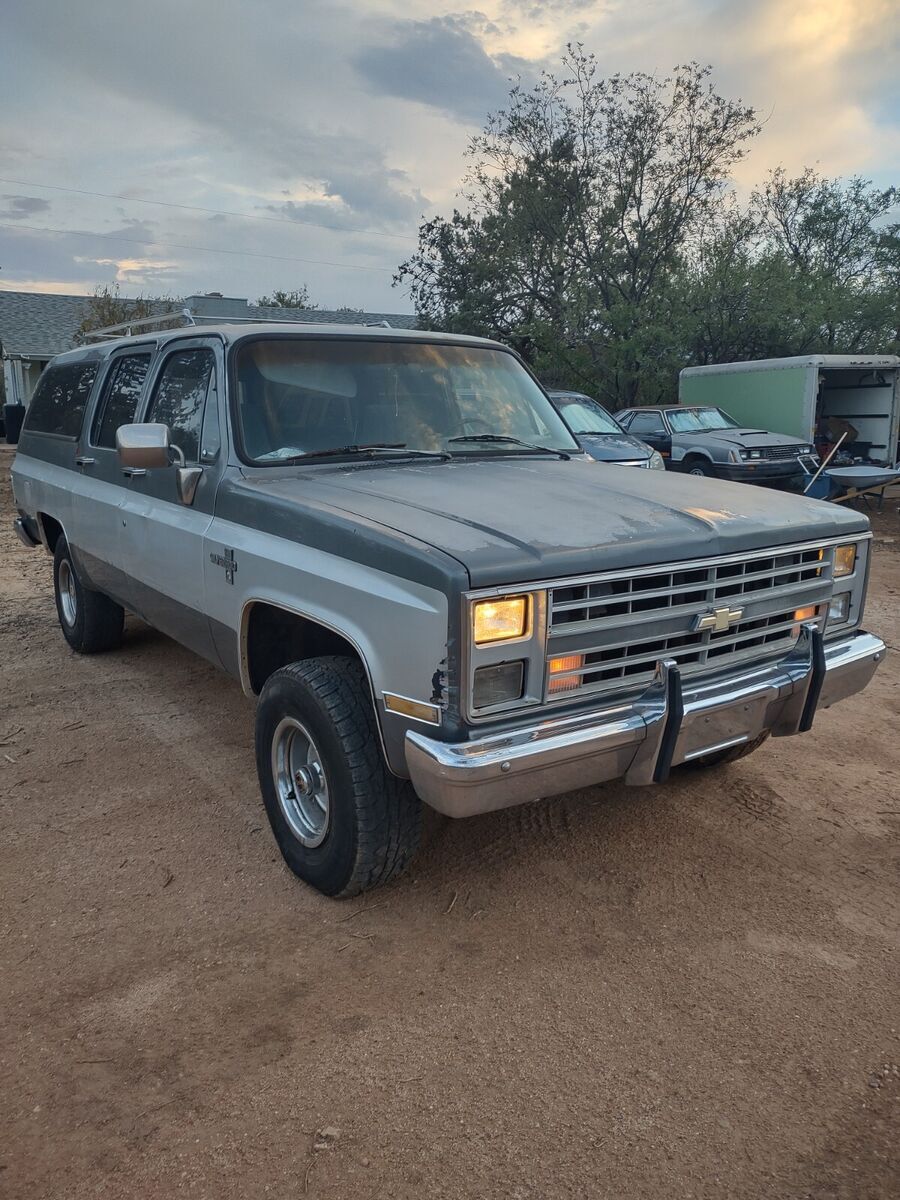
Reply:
x=796, y=395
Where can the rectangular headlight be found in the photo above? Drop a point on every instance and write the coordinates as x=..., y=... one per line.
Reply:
x=499, y=620
x=844, y=560
x=498, y=684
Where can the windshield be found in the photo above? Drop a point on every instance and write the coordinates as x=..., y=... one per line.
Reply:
x=299, y=396
x=584, y=415
x=693, y=420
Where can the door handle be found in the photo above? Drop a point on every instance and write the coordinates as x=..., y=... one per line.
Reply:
x=83, y=461
x=134, y=472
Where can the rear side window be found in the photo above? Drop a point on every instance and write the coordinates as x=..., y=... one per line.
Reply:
x=59, y=399
x=120, y=398
x=179, y=398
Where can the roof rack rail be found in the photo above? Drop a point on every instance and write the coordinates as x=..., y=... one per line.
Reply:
x=126, y=328
x=184, y=317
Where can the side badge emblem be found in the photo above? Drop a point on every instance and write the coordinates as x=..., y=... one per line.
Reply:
x=226, y=560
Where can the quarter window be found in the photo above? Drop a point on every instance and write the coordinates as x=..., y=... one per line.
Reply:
x=180, y=396
x=120, y=397
x=59, y=399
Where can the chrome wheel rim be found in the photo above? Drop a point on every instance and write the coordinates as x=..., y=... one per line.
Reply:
x=68, y=600
x=697, y=471
x=300, y=782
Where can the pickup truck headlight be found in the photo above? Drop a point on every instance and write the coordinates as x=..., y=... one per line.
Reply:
x=844, y=560
x=499, y=620
x=656, y=463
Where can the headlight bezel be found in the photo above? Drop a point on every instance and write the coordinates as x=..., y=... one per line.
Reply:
x=656, y=462
x=530, y=648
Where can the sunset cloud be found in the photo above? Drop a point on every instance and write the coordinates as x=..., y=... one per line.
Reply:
x=333, y=127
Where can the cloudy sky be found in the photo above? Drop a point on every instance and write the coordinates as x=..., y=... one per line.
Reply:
x=246, y=146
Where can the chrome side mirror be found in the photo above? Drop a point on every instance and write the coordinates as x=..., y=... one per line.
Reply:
x=143, y=446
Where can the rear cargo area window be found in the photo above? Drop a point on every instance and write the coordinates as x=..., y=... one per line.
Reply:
x=59, y=399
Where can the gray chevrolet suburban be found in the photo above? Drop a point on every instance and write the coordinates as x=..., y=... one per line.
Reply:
x=394, y=541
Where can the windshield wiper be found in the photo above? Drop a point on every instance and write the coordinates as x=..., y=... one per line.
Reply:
x=372, y=448
x=512, y=441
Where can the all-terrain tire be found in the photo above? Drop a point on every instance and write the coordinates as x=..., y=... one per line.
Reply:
x=731, y=754
x=373, y=821
x=90, y=621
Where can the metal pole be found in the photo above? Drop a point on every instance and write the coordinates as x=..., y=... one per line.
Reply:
x=825, y=462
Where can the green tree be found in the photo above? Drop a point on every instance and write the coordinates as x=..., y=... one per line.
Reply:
x=107, y=307
x=298, y=298
x=580, y=198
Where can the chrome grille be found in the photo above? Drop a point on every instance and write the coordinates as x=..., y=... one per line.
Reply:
x=624, y=623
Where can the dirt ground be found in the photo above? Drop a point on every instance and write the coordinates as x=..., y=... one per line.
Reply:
x=689, y=991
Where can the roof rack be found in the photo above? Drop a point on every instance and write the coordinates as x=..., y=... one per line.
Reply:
x=126, y=328
x=184, y=317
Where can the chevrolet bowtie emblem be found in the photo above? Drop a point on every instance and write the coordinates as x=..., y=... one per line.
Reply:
x=718, y=620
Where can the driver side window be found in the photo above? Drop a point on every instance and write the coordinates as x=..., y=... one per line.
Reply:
x=650, y=422
x=180, y=395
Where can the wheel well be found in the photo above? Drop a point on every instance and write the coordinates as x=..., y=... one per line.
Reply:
x=273, y=638
x=52, y=529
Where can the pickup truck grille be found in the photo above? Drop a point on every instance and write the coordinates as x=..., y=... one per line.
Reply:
x=612, y=629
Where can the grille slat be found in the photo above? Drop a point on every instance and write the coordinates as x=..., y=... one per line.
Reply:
x=610, y=619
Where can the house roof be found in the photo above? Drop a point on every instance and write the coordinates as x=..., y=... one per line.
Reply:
x=42, y=324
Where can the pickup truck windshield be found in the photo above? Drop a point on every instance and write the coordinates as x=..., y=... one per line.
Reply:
x=586, y=416
x=300, y=396
x=695, y=420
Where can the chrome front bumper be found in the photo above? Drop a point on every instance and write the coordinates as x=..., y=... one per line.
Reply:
x=674, y=721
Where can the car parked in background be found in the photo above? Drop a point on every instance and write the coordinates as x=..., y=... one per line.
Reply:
x=707, y=441
x=600, y=435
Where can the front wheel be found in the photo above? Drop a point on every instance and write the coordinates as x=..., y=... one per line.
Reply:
x=342, y=821
x=700, y=466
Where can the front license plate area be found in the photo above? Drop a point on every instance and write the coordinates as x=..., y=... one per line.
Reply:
x=703, y=732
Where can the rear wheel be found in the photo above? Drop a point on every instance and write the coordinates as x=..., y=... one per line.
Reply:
x=90, y=621
x=342, y=821
x=719, y=758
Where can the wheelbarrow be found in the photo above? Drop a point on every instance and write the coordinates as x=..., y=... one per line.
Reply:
x=842, y=484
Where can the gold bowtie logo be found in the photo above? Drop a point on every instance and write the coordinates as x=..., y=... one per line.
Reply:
x=718, y=620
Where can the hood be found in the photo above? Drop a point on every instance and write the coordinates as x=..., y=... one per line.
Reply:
x=510, y=520
x=750, y=439
x=613, y=447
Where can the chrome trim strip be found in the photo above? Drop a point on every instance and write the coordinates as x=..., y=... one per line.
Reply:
x=626, y=740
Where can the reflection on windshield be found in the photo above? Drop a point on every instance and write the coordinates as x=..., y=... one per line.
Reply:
x=587, y=416
x=298, y=395
x=694, y=420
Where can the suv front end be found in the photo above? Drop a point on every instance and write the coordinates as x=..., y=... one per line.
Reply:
x=576, y=681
